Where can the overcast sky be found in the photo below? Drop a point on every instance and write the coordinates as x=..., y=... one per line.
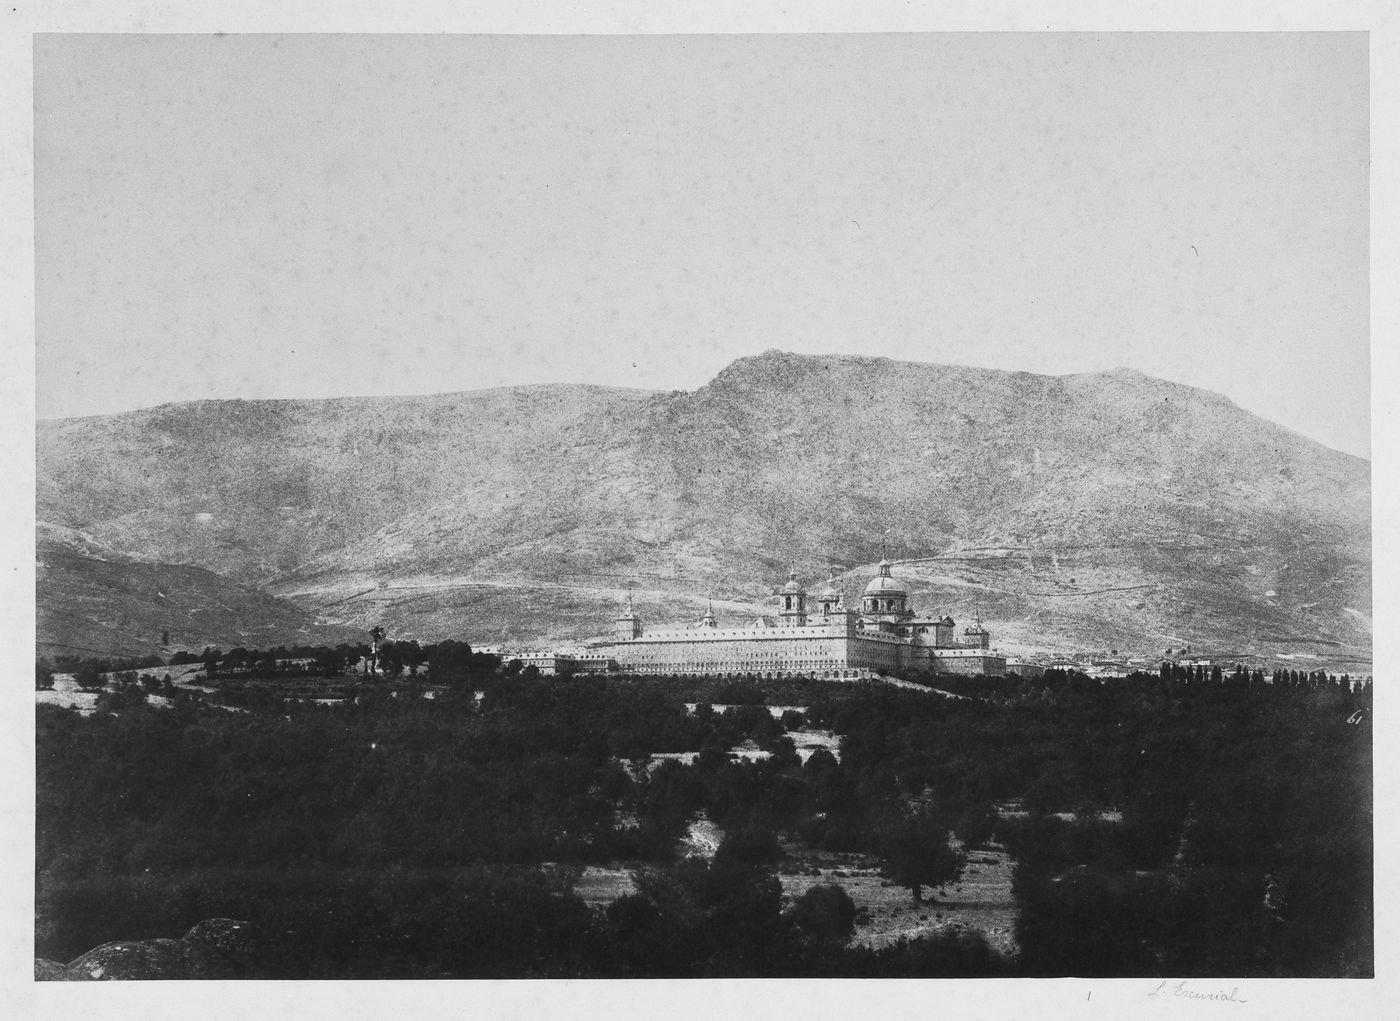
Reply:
x=307, y=216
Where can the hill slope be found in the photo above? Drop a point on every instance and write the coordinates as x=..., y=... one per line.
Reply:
x=1099, y=510
x=94, y=600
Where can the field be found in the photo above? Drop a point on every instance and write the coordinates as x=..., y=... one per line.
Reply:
x=980, y=901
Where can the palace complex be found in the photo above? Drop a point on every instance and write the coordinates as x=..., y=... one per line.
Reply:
x=830, y=640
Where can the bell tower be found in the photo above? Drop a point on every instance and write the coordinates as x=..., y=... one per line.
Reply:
x=792, y=603
x=629, y=626
x=830, y=597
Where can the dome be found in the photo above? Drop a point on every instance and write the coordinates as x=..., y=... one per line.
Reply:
x=792, y=585
x=831, y=592
x=883, y=584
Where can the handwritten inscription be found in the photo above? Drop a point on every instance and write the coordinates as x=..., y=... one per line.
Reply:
x=1183, y=991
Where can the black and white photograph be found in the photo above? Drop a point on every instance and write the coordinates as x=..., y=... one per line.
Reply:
x=682, y=505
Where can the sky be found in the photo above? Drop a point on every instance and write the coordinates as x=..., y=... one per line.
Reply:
x=324, y=215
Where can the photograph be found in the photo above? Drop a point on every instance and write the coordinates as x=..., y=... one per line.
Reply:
x=836, y=505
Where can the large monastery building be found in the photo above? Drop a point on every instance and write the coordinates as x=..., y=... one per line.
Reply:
x=831, y=640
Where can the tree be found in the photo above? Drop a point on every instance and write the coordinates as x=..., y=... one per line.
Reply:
x=88, y=676
x=916, y=854
x=391, y=661
x=43, y=675
x=376, y=634
x=824, y=915
x=411, y=655
x=752, y=843
x=329, y=662
x=782, y=752
x=793, y=720
x=976, y=826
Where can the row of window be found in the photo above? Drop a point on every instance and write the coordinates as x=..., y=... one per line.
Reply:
x=873, y=605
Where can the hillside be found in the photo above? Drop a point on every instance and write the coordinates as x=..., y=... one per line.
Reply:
x=94, y=600
x=1104, y=510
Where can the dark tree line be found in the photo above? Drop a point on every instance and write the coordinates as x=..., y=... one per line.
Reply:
x=444, y=662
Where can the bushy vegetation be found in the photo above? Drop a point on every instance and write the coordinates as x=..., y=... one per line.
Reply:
x=1162, y=825
x=1239, y=839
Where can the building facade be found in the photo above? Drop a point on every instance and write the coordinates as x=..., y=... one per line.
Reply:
x=550, y=664
x=825, y=640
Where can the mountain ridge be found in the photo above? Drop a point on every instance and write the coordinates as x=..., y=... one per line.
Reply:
x=543, y=502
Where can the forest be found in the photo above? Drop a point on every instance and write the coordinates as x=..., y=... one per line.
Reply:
x=1172, y=824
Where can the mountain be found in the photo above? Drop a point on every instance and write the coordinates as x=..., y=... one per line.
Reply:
x=94, y=600
x=1102, y=510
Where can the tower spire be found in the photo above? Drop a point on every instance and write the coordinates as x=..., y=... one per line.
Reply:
x=628, y=626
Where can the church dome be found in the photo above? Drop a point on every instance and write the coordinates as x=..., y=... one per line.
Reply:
x=792, y=585
x=883, y=585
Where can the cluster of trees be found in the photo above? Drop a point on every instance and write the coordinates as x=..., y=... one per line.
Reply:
x=726, y=918
x=299, y=661
x=87, y=670
x=1162, y=825
x=445, y=662
x=1241, y=676
x=127, y=690
x=67, y=664
x=402, y=787
x=695, y=919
